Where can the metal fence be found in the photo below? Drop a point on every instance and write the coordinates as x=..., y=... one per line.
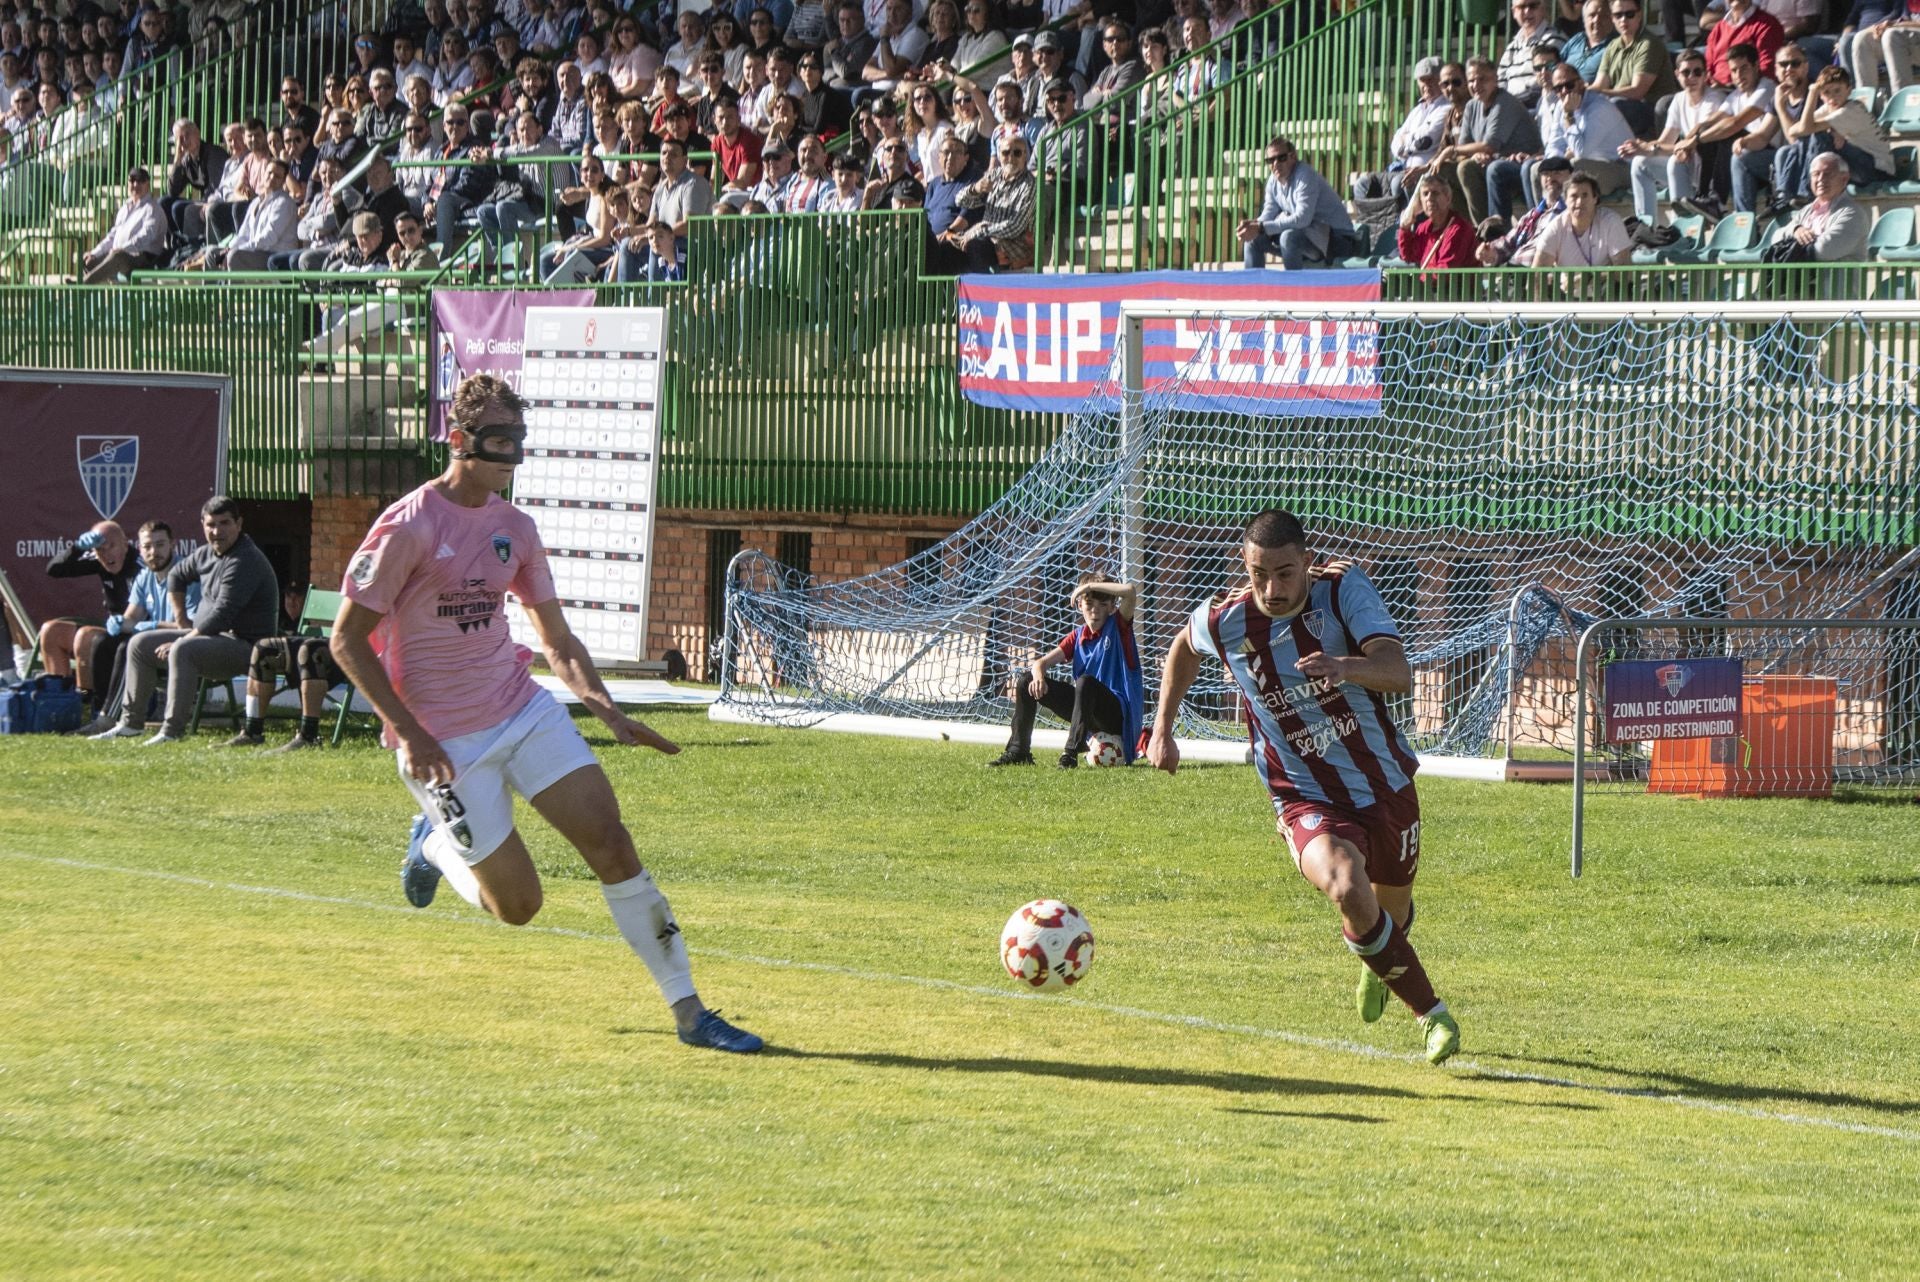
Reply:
x=1827, y=706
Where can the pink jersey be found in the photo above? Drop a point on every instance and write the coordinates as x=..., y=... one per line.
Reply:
x=439, y=572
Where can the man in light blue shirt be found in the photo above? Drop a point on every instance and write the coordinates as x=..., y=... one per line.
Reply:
x=1303, y=219
x=1588, y=130
x=147, y=608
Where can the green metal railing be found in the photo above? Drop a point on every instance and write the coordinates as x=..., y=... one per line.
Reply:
x=1158, y=177
x=813, y=370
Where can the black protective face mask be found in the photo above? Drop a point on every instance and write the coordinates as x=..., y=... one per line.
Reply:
x=517, y=434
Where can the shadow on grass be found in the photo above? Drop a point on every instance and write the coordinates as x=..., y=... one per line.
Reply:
x=1702, y=1088
x=1358, y=1119
x=1126, y=1074
x=1896, y=882
x=1567, y=1106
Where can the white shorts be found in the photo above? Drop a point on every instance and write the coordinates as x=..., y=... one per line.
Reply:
x=527, y=753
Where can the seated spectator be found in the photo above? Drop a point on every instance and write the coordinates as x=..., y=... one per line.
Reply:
x=982, y=43
x=572, y=260
x=1421, y=135
x=358, y=96
x=1587, y=129
x=320, y=221
x=1879, y=33
x=897, y=49
x=1494, y=125
x=943, y=29
x=1831, y=122
x=1302, y=218
x=416, y=144
x=25, y=111
x=681, y=193
x=572, y=118
x=383, y=197
x=1744, y=24
x=454, y=75
x=407, y=62
x=824, y=111
x=1754, y=151
x=410, y=251
x=1000, y=238
x=724, y=38
x=101, y=652
x=773, y=194
x=684, y=53
x=381, y=118
x=1833, y=227
x=848, y=194
x=197, y=167
x=1050, y=56
x=737, y=149
x=1514, y=245
x=103, y=553
x=631, y=61
x=927, y=129
x=533, y=90
x=896, y=187
x=1675, y=155
x=309, y=662
x=1434, y=235
x=269, y=227
x=519, y=200
x=810, y=27
x=846, y=54
x=340, y=142
x=137, y=240
x=458, y=188
x=239, y=604
x=763, y=34
x=363, y=250
x=1586, y=47
x=953, y=173
x=1123, y=71
x=1223, y=16
x=1105, y=695
x=294, y=105
x=1532, y=30
x=1744, y=109
x=589, y=56
x=369, y=52
x=1586, y=235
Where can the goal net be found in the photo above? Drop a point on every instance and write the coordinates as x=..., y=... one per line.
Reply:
x=1525, y=476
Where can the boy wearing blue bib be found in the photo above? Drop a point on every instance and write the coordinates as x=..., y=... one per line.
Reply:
x=1106, y=694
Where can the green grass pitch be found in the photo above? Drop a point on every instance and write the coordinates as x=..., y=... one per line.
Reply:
x=228, y=1049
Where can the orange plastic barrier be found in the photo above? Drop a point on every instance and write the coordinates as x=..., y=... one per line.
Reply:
x=1785, y=748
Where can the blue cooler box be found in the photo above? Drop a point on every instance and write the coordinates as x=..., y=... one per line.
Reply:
x=44, y=705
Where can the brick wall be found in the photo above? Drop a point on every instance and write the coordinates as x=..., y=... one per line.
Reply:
x=338, y=526
x=843, y=548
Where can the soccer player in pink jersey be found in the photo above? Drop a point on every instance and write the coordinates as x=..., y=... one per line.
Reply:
x=421, y=634
x=1313, y=650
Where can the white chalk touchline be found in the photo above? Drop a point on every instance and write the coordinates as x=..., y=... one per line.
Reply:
x=1334, y=1044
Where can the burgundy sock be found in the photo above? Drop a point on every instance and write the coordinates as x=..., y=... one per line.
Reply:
x=1386, y=952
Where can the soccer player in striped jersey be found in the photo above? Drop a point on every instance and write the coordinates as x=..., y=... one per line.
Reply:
x=1313, y=651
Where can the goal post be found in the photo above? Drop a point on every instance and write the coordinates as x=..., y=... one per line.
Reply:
x=1510, y=477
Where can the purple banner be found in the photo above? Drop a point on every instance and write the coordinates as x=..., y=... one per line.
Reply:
x=81, y=448
x=479, y=331
x=1672, y=699
x=1046, y=342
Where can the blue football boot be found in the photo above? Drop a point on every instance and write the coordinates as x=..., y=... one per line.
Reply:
x=419, y=878
x=717, y=1034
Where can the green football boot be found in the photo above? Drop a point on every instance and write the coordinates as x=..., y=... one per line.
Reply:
x=1442, y=1033
x=1370, y=999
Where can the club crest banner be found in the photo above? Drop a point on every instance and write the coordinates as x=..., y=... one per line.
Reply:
x=1046, y=342
x=479, y=331
x=81, y=448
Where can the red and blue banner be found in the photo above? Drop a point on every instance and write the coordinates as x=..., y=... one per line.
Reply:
x=1046, y=342
x=1672, y=699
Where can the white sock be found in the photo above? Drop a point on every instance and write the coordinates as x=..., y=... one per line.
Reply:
x=442, y=854
x=647, y=924
x=253, y=705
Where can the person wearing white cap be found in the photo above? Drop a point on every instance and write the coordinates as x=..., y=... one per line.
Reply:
x=1421, y=134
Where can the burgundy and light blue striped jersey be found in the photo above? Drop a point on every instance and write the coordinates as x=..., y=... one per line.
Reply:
x=1312, y=740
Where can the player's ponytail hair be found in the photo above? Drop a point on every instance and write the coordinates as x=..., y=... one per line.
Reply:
x=1275, y=528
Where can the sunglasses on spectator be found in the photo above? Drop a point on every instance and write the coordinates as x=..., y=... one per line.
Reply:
x=1565, y=86
x=1279, y=157
x=1013, y=151
x=1693, y=71
x=1789, y=62
x=363, y=44
x=1454, y=83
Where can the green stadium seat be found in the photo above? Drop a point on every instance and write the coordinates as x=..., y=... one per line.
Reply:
x=1383, y=247
x=1903, y=176
x=1757, y=244
x=1690, y=227
x=1901, y=115
x=1892, y=238
x=1731, y=234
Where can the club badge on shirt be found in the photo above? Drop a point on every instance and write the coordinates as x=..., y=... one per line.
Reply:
x=1313, y=621
x=362, y=569
x=503, y=548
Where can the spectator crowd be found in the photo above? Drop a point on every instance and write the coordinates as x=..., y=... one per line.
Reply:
x=597, y=130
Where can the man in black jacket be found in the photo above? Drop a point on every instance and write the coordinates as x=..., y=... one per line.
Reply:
x=239, y=604
x=104, y=553
x=197, y=165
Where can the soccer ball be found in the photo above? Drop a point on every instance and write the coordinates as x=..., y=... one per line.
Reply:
x=1104, y=750
x=1047, y=944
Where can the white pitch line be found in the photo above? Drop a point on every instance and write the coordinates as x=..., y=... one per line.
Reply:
x=1333, y=1044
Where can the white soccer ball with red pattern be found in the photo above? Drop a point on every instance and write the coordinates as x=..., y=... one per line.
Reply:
x=1104, y=750
x=1047, y=944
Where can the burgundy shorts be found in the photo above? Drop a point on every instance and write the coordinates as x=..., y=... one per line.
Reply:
x=1387, y=833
